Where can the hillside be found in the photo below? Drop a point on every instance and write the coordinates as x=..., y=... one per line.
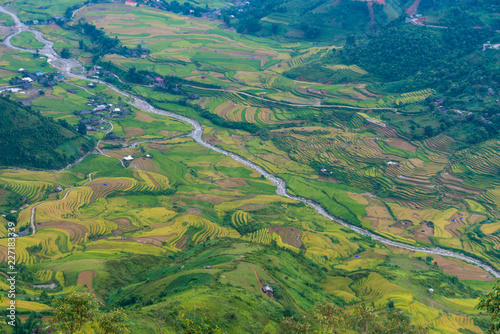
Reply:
x=377, y=120
x=31, y=140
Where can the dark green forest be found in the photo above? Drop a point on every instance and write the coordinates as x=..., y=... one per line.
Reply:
x=28, y=139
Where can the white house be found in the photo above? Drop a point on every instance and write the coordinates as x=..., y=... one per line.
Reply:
x=128, y=158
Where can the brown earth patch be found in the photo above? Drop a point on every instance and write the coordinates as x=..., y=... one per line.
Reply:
x=181, y=244
x=212, y=139
x=124, y=225
x=232, y=182
x=453, y=226
x=142, y=116
x=399, y=143
x=252, y=207
x=211, y=199
x=134, y=132
x=422, y=232
x=403, y=224
x=289, y=235
x=159, y=147
x=76, y=232
x=327, y=179
x=85, y=279
x=462, y=270
x=144, y=164
x=3, y=253
x=155, y=241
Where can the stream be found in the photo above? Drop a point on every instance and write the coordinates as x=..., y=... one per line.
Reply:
x=73, y=68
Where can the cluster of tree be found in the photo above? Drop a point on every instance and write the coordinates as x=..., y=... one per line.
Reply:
x=102, y=44
x=248, y=16
x=29, y=139
x=309, y=30
x=361, y=318
x=77, y=310
x=186, y=8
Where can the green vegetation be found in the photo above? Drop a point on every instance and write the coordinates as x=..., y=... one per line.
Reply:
x=32, y=140
x=26, y=40
x=184, y=239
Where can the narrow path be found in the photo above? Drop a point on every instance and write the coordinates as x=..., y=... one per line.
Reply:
x=33, y=209
x=73, y=68
x=33, y=213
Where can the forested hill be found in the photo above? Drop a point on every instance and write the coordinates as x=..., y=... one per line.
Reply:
x=28, y=139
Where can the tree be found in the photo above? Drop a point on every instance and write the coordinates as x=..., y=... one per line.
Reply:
x=275, y=28
x=65, y=53
x=74, y=311
x=361, y=318
x=227, y=19
x=82, y=129
x=32, y=325
x=491, y=304
x=428, y=131
x=113, y=322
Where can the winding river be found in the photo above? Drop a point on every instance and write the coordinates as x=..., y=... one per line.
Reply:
x=73, y=68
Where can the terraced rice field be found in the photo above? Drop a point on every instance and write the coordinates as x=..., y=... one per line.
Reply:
x=412, y=97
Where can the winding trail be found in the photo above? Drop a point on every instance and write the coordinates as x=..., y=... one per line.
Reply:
x=72, y=68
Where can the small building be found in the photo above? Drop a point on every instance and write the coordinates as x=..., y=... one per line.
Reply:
x=21, y=70
x=58, y=189
x=431, y=291
x=27, y=79
x=91, y=85
x=267, y=288
x=207, y=267
x=128, y=158
x=101, y=107
x=23, y=199
x=45, y=286
x=149, y=156
x=159, y=79
x=116, y=110
x=131, y=3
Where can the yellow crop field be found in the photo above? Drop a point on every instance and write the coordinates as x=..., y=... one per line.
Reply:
x=475, y=206
x=353, y=68
x=240, y=218
x=412, y=97
x=176, y=230
x=490, y=228
x=34, y=191
x=451, y=322
x=24, y=305
x=375, y=287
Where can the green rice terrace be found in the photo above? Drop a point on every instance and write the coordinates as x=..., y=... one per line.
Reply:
x=121, y=201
